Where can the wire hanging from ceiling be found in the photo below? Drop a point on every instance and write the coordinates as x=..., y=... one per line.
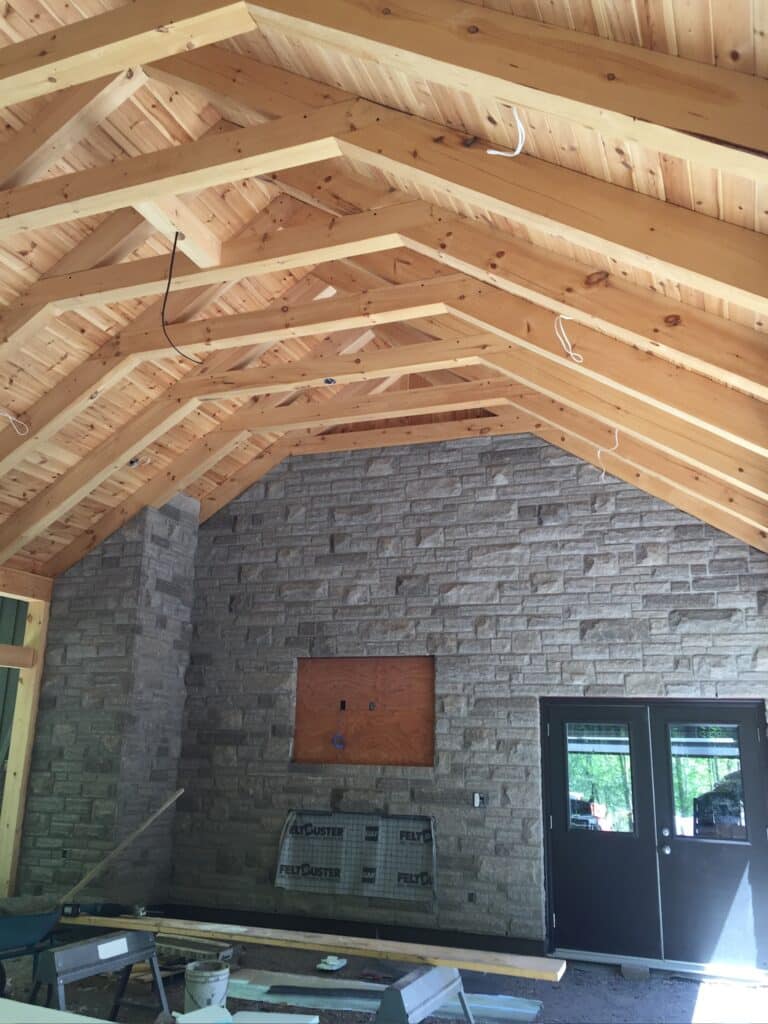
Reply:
x=565, y=341
x=19, y=426
x=604, y=451
x=520, y=139
x=168, y=338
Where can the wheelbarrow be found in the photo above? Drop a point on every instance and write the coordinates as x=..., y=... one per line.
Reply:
x=27, y=923
x=25, y=935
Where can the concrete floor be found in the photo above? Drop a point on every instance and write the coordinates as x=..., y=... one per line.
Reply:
x=588, y=994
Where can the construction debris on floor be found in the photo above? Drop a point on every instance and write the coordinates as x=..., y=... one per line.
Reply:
x=587, y=994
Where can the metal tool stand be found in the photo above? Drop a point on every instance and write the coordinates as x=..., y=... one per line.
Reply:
x=117, y=951
x=421, y=993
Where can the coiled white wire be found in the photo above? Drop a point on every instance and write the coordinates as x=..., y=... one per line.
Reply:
x=564, y=340
x=520, y=139
x=18, y=425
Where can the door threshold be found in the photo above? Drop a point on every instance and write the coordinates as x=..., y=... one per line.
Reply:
x=728, y=972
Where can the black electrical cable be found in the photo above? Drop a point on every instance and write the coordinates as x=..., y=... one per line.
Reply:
x=169, y=339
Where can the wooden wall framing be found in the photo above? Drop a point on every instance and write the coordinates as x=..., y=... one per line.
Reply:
x=36, y=592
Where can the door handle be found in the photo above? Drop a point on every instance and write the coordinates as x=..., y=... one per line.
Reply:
x=666, y=850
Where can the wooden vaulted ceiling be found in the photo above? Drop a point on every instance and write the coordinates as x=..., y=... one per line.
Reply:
x=364, y=262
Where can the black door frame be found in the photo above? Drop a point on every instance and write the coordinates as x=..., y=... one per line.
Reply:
x=754, y=703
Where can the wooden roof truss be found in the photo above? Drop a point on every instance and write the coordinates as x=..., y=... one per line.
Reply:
x=362, y=264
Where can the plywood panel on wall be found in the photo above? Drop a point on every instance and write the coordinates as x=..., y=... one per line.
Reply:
x=365, y=711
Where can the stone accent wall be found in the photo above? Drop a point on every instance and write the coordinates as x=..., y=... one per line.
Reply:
x=523, y=573
x=109, y=728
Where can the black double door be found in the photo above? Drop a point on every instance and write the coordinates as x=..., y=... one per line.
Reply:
x=657, y=821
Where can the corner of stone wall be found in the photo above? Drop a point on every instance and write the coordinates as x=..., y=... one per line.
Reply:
x=109, y=727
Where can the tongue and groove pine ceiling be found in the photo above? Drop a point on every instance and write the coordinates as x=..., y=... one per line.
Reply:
x=364, y=260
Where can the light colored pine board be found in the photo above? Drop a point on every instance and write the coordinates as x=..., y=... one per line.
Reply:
x=109, y=43
x=542, y=968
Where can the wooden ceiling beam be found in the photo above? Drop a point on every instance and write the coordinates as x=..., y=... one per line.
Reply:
x=711, y=115
x=641, y=317
x=385, y=305
x=578, y=440
x=740, y=419
x=707, y=453
x=200, y=456
x=64, y=122
x=683, y=405
x=244, y=91
x=700, y=403
x=196, y=240
x=85, y=476
x=502, y=421
x=24, y=586
x=216, y=159
x=152, y=422
x=117, y=236
x=256, y=468
x=314, y=372
x=716, y=257
x=669, y=241
x=308, y=414
x=340, y=345
x=740, y=469
x=718, y=349
x=229, y=438
x=692, y=480
x=331, y=238
x=88, y=382
x=108, y=43
x=203, y=454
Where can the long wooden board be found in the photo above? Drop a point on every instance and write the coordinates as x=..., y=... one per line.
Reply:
x=108, y=43
x=14, y=796
x=538, y=967
x=681, y=107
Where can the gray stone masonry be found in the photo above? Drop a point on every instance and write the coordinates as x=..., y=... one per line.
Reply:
x=512, y=563
x=109, y=728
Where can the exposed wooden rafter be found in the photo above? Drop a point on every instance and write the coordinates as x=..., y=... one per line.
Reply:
x=595, y=299
x=134, y=34
x=22, y=740
x=398, y=270
x=656, y=236
x=713, y=115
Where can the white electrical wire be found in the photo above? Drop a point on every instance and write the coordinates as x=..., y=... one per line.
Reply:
x=18, y=425
x=520, y=139
x=602, y=451
x=565, y=341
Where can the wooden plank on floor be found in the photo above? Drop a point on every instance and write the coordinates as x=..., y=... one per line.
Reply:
x=537, y=967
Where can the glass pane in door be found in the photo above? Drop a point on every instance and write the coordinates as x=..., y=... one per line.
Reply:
x=599, y=777
x=706, y=781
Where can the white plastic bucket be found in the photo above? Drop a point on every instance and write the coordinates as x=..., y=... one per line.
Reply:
x=205, y=984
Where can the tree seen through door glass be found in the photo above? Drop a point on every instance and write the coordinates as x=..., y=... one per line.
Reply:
x=599, y=777
x=706, y=781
